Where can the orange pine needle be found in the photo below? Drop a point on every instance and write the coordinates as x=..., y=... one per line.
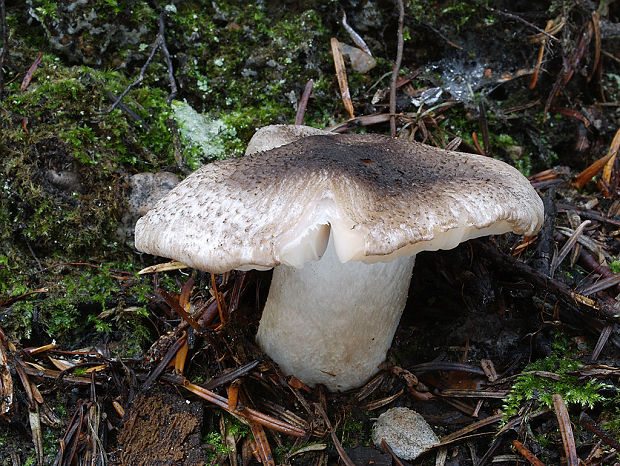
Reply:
x=541, y=54
x=596, y=167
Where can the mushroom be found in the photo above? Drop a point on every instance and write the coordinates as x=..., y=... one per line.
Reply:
x=340, y=218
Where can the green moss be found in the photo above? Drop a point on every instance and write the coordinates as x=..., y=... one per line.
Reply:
x=524, y=165
x=235, y=427
x=66, y=132
x=68, y=103
x=354, y=432
x=504, y=139
x=460, y=11
x=58, y=125
x=539, y=391
x=60, y=408
x=613, y=425
x=250, y=67
x=351, y=432
x=78, y=299
x=454, y=13
x=543, y=440
x=459, y=125
x=214, y=439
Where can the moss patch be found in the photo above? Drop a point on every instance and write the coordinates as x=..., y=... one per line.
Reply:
x=531, y=387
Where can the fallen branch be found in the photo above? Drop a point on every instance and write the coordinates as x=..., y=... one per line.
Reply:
x=545, y=283
x=593, y=427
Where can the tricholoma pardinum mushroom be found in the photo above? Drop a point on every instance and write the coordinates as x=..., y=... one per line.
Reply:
x=340, y=217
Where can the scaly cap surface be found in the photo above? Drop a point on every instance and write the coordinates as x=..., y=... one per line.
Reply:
x=382, y=198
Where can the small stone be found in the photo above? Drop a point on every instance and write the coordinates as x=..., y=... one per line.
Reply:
x=148, y=188
x=405, y=431
x=360, y=60
x=145, y=190
x=65, y=179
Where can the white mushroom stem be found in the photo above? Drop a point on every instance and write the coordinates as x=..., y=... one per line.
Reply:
x=332, y=323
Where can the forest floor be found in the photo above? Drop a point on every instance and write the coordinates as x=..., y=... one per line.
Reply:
x=508, y=346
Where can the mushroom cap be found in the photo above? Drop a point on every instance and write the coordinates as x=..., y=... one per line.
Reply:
x=381, y=198
x=272, y=136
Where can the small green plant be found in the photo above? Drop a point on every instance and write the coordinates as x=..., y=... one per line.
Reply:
x=46, y=8
x=61, y=408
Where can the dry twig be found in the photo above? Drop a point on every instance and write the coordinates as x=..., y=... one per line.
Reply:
x=303, y=103
x=247, y=413
x=541, y=54
x=30, y=72
x=5, y=43
x=396, y=69
x=159, y=42
x=517, y=18
x=262, y=444
x=343, y=454
x=557, y=260
x=178, y=308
